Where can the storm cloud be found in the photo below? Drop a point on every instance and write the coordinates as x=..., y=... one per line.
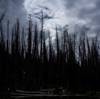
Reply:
x=13, y=9
x=86, y=11
x=76, y=13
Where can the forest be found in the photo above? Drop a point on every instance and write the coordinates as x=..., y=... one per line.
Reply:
x=31, y=60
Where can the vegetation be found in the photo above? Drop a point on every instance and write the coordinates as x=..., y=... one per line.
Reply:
x=35, y=63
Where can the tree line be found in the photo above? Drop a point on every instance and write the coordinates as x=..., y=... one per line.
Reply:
x=30, y=61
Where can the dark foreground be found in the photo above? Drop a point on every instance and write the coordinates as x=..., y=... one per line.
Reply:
x=49, y=97
x=16, y=95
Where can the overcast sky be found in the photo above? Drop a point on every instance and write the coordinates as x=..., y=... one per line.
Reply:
x=80, y=15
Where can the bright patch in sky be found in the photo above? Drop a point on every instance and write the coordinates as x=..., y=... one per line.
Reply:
x=61, y=15
x=56, y=7
x=79, y=15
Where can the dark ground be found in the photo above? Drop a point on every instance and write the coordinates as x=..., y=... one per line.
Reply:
x=52, y=97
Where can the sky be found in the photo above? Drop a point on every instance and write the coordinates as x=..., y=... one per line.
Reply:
x=79, y=15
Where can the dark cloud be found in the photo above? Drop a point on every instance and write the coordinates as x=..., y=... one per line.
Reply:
x=70, y=3
x=13, y=9
x=85, y=10
x=81, y=12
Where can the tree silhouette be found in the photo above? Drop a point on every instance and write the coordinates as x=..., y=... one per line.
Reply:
x=67, y=62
